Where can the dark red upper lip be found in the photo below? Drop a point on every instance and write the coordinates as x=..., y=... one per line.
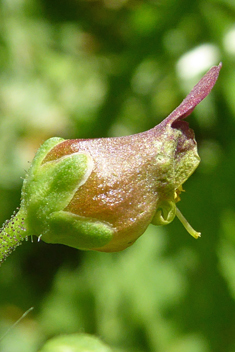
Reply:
x=197, y=94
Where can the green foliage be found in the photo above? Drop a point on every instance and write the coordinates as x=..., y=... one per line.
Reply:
x=75, y=343
x=106, y=68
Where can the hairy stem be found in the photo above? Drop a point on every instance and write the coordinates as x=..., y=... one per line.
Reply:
x=12, y=234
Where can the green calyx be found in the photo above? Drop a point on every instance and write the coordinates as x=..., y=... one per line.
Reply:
x=48, y=189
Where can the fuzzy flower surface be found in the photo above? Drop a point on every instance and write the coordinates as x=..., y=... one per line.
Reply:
x=101, y=194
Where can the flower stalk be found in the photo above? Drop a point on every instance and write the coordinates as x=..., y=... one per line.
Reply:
x=12, y=234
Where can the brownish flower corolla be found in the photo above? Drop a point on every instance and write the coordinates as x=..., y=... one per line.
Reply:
x=101, y=194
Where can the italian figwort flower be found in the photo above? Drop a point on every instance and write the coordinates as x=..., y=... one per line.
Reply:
x=101, y=194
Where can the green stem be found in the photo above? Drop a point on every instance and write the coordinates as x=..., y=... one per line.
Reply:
x=12, y=234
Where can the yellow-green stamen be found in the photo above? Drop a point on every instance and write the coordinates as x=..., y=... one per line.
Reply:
x=186, y=225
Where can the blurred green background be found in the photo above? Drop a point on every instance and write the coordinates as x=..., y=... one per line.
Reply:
x=80, y=69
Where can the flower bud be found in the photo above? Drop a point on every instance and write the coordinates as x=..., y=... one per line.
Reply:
x=102, y=194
